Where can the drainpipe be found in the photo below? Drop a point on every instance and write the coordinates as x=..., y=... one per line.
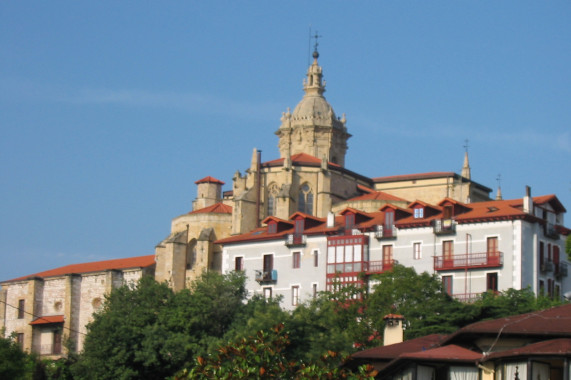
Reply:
x=258, y=188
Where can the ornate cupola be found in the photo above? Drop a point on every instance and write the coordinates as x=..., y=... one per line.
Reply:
x=312, y=127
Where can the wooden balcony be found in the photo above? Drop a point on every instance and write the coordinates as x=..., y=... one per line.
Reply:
x=385, y=233
x=295, y=240
x=377, y=267
x=469, y=261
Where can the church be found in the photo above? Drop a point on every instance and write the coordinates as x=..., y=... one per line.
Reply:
x=303, y=223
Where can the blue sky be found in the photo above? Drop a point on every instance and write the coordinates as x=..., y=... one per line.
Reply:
x=109, y=111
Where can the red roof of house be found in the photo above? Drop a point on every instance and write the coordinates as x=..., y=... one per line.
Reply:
x=554, y=322
x=410, y=177
x=450, y=352
x=209, y=179
x=217, y=208
x=97, y=266
x=394, y=350
x=47, y=320
x=551, y=347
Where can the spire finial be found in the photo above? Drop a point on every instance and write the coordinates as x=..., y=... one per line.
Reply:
x=499, y=193
x=466, y=145
x=316, y=44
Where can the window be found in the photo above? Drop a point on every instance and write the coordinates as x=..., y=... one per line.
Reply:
x=387, y=257
x=492, y=246
x=541, y=253
x=267, y=293
x=272, y=227
x=305, y=199
x=20, y=340
x=417, y=252
x=238, y=263
x=448, y=249
x=296, y=260
x=418, y=213
x=389, y=223
x=299, y=226
x=315, y=258
x=550, y=288
x=268, y=264
x=556, y=258
x=56, y=342
x=541, y=287
x=447, y=284
x=492, y=281
x=21, y=306
x=447, y=212
x=294, y=295
x=314, y=290
x=349, y=222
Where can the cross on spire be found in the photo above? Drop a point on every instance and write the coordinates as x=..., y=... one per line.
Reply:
x=466, y=145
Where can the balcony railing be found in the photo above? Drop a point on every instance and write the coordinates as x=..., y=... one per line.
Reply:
x=267, y=276
x=469, y=261
x=47, y=349
x=293, y=240
x=444, y=227
x=551, y=231
x=386, y=232
x=547, y=266
x=563, y=271
x=467, y=297
x=376, y=267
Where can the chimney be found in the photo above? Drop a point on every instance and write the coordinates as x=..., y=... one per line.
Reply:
x=527, y=201
x=330, y=219
x=393, y=329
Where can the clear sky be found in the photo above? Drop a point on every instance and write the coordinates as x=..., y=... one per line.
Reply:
x=110, y=110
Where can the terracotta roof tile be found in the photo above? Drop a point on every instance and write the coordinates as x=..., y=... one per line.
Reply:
x=394, y=350
x=552, y=347
x=97, y=266
x=217, y=208
x=48, y=319
x=410, y=177
x=377, y=196
x=450, y=352
x=209, y=179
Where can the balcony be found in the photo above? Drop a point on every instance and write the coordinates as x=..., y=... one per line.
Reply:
x=550, y=231
x=386, y=232
x=547, y=266
x=467, y=297
x=469, y=261
x=377, y=267
x=562, y=271
x=444, y=227
x=270, y=276
x=294, y=240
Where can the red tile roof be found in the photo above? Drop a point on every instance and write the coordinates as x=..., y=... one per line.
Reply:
x=217, y=208
x=554, y=347
x=209, y=179
x=97, y=266
x=48, y=319
x=450, y=352
x=394, y=350
x=554, y=322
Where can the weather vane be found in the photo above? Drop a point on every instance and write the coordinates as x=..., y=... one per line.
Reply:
x=466, y=146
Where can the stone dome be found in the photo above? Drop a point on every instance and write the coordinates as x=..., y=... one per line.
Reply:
x=313, y=107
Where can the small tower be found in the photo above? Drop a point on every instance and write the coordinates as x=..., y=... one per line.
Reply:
x=393, y=329
x=209, y=192
x=466, y=167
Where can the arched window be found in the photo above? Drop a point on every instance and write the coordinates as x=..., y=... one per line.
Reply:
x=305, y=199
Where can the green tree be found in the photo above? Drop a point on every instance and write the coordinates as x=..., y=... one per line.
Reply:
x=148, y=331
x=14, y=363
x=420, y=298
x=264, y=356
x=568, y=247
